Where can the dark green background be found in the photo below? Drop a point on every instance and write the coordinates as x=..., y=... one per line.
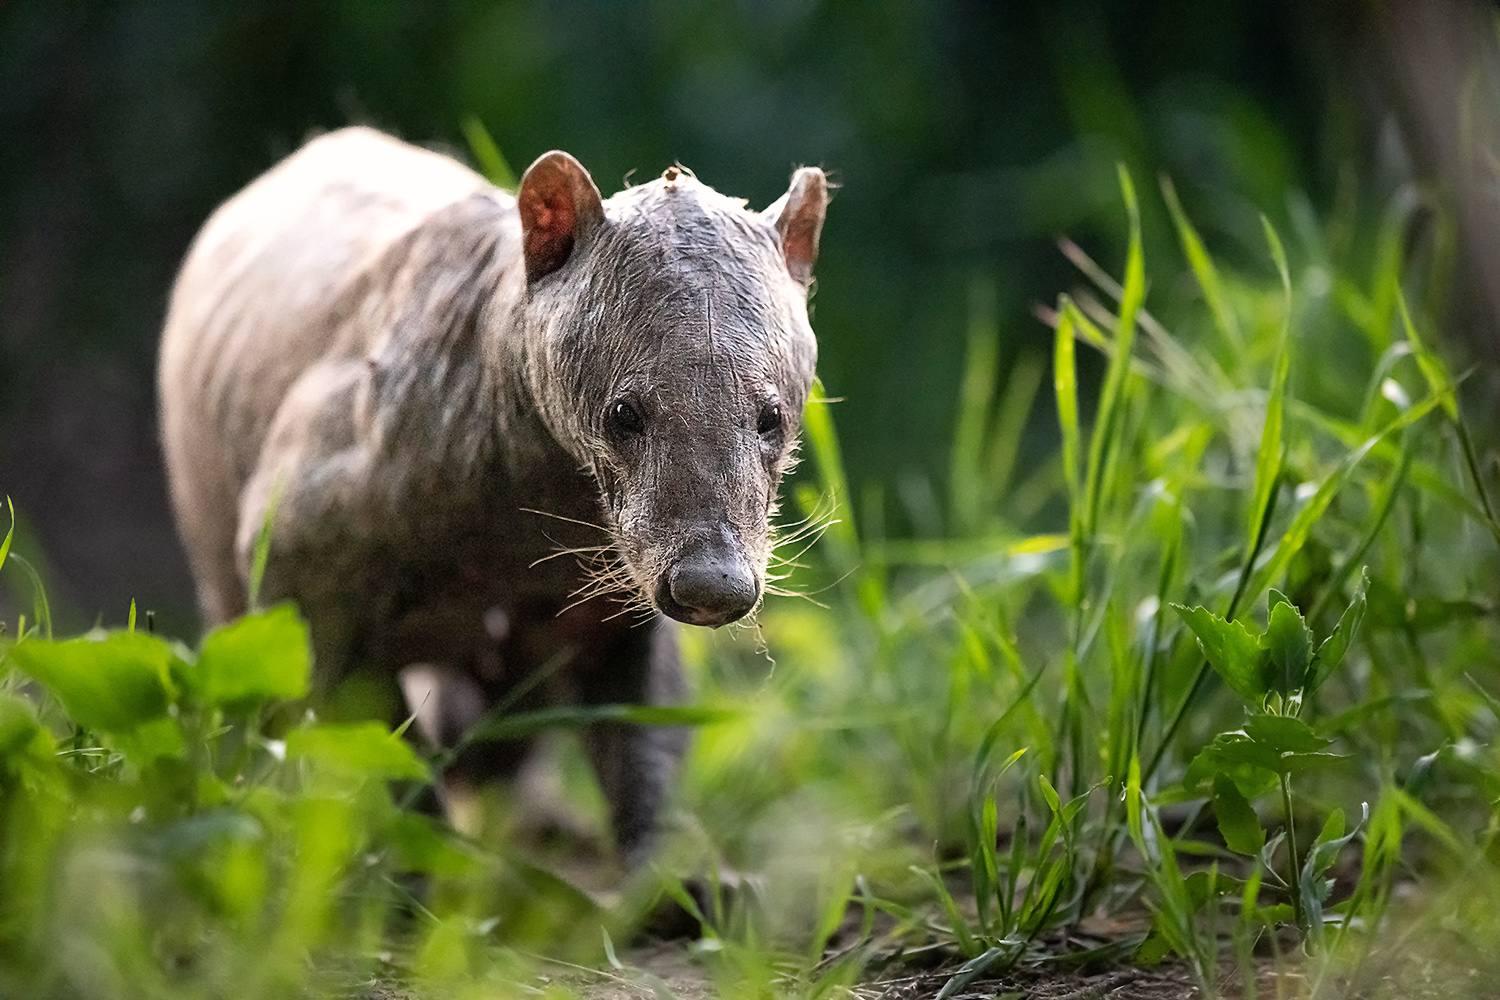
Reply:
x=964, y=136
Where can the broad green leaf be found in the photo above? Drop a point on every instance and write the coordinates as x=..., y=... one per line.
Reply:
x=1232, y=650
x=1272, y=916
x=1250, y=766
x=19, y=728
x=1289, y=641
x=1156, y=947
x=170, y=789
x=366, y=749
x=161, y=736
x=1284, y=734
x=1333, y=828
x=1268, y=746
x=1202, y=886
x=1237, y=820
x=261, y=656
x=1325, y=851
x=1331, y=652
x=112, y=683
x=423, y=845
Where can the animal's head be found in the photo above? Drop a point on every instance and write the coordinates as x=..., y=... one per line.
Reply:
x=672, y=355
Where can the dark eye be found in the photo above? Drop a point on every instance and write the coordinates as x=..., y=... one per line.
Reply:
x=770, y=419
x=626, y=417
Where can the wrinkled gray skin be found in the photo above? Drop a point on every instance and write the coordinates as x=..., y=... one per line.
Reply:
x=445, y=386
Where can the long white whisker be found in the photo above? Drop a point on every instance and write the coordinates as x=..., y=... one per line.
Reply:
x=582, y=550
x=560, y=517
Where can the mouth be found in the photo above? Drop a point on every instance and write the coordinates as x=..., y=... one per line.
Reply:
x=707, y=618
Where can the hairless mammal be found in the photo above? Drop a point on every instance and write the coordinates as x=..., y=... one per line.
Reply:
x=445, y=388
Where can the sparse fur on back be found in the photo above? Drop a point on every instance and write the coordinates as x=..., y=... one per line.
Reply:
x=488, y=425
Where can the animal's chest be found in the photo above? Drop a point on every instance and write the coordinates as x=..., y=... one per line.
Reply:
x=503, y=604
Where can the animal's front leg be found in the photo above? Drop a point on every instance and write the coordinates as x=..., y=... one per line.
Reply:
x=636, y=764
x=315, y=489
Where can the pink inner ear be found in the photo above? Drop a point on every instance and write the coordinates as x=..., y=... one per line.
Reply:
x=801, y=222
x=801, y=248
x=799, y=243
x=549, y=240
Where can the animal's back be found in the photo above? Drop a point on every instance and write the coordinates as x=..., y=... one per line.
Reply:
x=256, y=305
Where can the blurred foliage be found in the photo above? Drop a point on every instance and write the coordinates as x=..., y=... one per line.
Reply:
x=965, y=138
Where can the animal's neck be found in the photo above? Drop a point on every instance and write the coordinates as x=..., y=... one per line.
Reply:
x=524, y=445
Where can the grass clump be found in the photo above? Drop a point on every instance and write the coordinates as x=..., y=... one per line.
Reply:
x=157, y=840
x=1249, y=599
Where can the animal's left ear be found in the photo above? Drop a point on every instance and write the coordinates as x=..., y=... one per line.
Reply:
x=798, y=218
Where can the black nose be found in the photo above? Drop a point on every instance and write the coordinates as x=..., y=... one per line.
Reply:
x=712, y=586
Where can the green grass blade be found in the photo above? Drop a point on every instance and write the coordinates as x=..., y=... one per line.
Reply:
x=1472, y=462
x=1439, y=381
x=1010, y=426
x=1268, y=462
x=1065, y=386
x=262, y=550
x=985, y=866
x=39, y=604
x=1131, y=298
x=1203, y=267
x=960, y=924
x=491, y=162
x=1383, y=506
x=1297, y=532
x=976, y=396
x=10, y=533
x=1278, y=257
x=973, y=968
x=817, y=427
x=1018, y=848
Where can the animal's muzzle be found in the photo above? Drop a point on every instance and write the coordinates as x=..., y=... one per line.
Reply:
x=712, y=585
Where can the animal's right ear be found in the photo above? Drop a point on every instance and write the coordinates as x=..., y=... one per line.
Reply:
x=798, y=218
x=559, y=204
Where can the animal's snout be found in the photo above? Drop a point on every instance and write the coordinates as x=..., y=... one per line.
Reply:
x=711, y=586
